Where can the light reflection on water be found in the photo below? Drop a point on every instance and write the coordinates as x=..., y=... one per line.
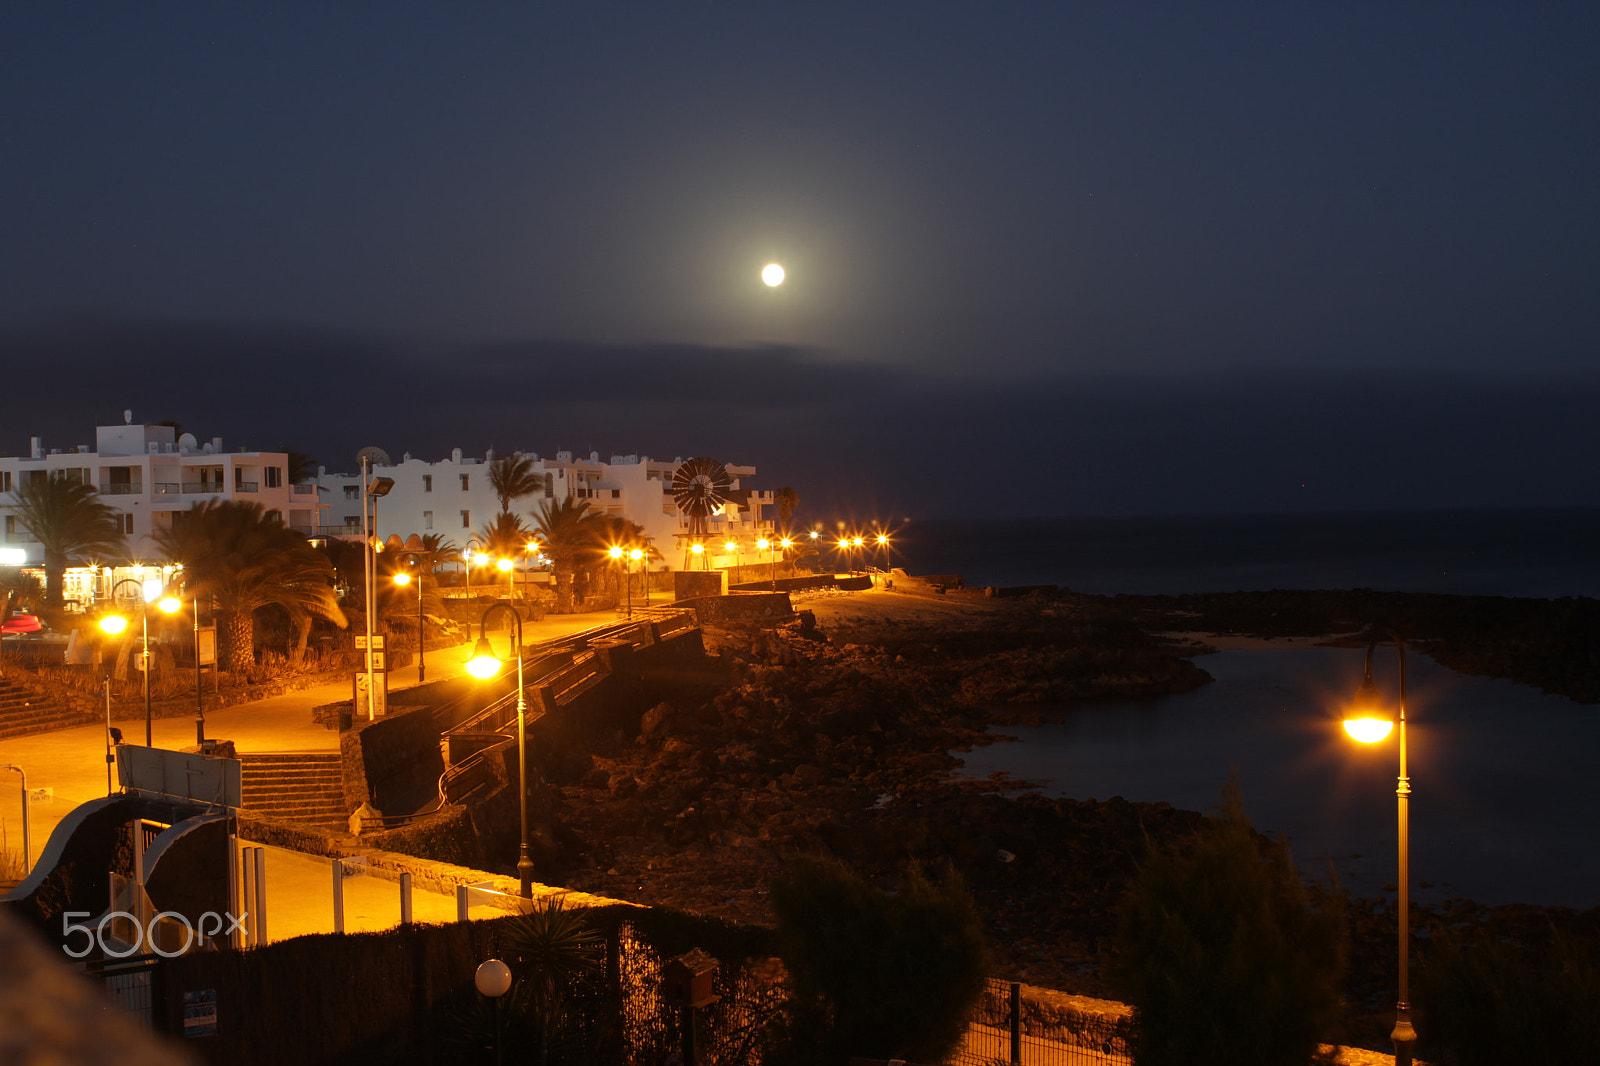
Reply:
x=1505, y=800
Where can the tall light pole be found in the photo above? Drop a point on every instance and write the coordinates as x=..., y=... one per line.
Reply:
x=637, y=555
x=171, y=603
x=402, y=578
x=485, y=665
x=114, y=624
x=1368, y=721
x=373, y=489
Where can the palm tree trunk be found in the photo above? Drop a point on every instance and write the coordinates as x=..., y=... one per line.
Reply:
x=563, y=588
x=238, y=630
x=55, y=573
x=302, y=626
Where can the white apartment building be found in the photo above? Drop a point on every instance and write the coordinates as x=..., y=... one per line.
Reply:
x=453, y=497
x=146, y=474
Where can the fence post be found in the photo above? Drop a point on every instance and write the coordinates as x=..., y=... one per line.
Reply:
x=1016, y=1023
x=405, y=898
x=462, y=905
x=338, y=895
x=248, y=868
x=261, y=897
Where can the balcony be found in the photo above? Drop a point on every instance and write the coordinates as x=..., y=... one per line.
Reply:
x=191, y=487
x=247, y=486
x=302, y=490
x=167, y=488
x=121, y=488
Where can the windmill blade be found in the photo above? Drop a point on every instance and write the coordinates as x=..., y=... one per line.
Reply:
x=699, y=485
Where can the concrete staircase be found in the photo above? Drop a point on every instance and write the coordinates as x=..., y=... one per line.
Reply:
x=23, y=711
x=299, y=786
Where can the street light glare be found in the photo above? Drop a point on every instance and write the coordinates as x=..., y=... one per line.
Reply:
x=402, y=578
x=504, y=564
x=772, y=274
x=1368, y=730
x=113, y=624
x=169, y=604
x=484, y=664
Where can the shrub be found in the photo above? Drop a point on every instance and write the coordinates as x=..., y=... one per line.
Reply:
x=1497, y=1002
x=1222, y=955
x=873, y=973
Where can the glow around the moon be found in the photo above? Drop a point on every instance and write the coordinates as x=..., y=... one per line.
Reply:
x=772, y=274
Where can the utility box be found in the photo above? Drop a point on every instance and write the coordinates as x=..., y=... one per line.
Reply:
x=686, y=980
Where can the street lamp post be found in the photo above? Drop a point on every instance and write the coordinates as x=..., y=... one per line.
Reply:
x=637, y=555
x=616, y=553
x=485, y=665
x=115, y=624
x=171, y=603
x=402, y=578
x=1369, y=722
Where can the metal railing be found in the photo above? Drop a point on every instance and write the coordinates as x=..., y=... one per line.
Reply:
x=1010, y=1029
x=201, y=486
x=168, y=488
x=302, y=490
x=121, y=488
x=247, y=486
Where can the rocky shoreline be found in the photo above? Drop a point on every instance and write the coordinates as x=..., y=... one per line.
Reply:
x=834, y=735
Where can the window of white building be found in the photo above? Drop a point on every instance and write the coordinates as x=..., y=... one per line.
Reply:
x=427, y=482
x=427, y=519
x=466, y=518
x=466, y=482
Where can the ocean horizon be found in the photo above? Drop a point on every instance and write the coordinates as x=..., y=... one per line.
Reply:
x=1539, y=552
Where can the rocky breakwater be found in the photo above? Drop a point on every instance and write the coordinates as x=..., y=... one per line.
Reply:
x=821, y=745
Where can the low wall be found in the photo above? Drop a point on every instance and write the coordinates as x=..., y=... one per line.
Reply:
x=394, y=761
x=740, y=607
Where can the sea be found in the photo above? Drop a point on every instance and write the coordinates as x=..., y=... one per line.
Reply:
x=1505, y=802
x=1545, y=553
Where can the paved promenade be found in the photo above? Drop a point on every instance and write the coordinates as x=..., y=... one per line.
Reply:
x=71, y=762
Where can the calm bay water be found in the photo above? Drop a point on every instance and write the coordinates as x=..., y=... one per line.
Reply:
x=1505, y=804
x=1543, y=553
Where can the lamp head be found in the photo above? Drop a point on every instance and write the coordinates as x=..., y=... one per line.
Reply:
x=1367, y=719
x=402, y=578
x=479, y=558
x=614, y=551
x=113, y=624
x=763, y=543
x=505, y=565
x=882, y=539
x=697, y=548
x=169, y=604
x=730, y=546
x=636, y=554
x=484, y=664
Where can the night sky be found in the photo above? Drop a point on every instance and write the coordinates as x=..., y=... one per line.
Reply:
x=1072, y=258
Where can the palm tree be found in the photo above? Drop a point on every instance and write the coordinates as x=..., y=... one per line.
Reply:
x=66, y=516
x=606, y=531
x=506, y=535
x=562, y=525
x=786, y=500
x=244, y=559
x=512, y=476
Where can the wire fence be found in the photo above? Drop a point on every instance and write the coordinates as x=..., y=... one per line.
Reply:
x=1009, y=1029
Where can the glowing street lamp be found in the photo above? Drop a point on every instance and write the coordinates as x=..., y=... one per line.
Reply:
x=637, y=555
x=403, y=578
x=1368, y=721
x=485, y=665
x=115, y=624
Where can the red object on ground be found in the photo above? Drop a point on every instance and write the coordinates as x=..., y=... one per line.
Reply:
x=21, y=623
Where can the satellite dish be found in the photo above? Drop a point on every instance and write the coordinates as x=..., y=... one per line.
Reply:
x=127, y=416
x=187, y=443
x=375, y=456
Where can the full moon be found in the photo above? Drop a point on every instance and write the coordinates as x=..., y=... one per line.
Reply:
x=772, y=274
